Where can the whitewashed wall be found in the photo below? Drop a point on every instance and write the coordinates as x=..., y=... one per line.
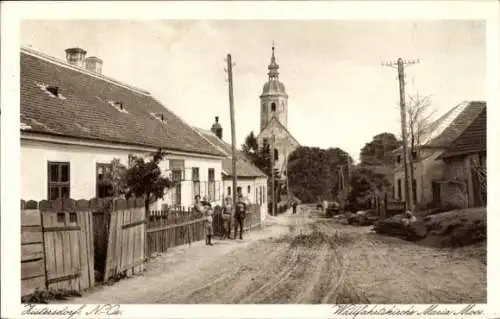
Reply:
x=428, y=169
x=83, y=160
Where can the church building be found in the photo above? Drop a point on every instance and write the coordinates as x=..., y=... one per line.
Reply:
x=273, y=118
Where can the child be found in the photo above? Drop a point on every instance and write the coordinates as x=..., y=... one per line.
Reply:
x=208, y=211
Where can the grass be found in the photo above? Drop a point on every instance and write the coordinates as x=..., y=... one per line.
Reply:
x=40, y=296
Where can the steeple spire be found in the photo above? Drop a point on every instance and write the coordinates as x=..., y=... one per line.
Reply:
x=273, y=67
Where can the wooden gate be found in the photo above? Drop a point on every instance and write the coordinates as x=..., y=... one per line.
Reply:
x=126, y=238
x=69, y=244
x=57, y=245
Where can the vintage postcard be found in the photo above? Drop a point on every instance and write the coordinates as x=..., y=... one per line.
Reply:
x=249, y=159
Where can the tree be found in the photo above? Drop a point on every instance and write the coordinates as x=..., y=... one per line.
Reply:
x=313, y=172
x=378, y=151
x=419, y=116
x=116, y=177
x=365, y=184
x=145, y=179
x=251, y=146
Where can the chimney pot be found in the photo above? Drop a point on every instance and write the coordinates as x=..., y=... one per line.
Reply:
x=217, y=128
x=75, y=56
x=93, y=64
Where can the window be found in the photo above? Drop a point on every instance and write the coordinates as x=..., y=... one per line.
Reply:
x=58, y=180
x=276, y=153
x=399, y=189
x=177, y=192
x=414, y=155
x=103, y=187
x=238, y=190
x=398, y=159
x=229, y=191
x=265, y=142
x=211, y=184
x=273, y=107
x=249, y=189
x=195, y=176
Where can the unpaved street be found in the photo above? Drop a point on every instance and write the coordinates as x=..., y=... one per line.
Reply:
x=303, y=259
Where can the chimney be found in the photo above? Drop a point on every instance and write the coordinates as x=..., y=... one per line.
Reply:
x=217, y=128
x=93, y=64
x=75, y=56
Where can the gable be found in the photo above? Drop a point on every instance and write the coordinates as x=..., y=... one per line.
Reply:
x=85, y=111
x=280, y=132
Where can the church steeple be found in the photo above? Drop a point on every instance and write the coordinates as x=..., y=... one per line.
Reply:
x=273, y=99
x=273, y=67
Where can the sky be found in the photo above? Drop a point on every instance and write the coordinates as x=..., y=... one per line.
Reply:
x=339, y=93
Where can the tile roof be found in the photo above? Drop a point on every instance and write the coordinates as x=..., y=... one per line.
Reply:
x=453, y=123
x=84, y=108
x=446, y=129
x=244, y=167
x=472, y=140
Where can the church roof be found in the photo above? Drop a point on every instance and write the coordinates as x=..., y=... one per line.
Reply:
x=280, y=126
x=273, y=87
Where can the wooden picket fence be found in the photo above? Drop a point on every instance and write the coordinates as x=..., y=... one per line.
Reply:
x=180, y=226
x=64, y=242
x=173, y=227
x=57, y=245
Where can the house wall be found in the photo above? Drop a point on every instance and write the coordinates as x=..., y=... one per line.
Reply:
x=83, y=160
x=427, y=169
x=254, y=195
x=455, y=190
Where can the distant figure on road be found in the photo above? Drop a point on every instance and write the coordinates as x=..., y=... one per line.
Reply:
x=227, y=214
x=239, y=216
x=294, y=207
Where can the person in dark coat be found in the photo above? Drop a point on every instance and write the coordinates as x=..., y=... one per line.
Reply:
x=294, y=207
x=239, y=216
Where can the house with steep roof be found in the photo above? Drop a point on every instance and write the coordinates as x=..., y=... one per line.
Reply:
x=428, y=165
x=251, y=181
x=464, y=182
x=75, y=121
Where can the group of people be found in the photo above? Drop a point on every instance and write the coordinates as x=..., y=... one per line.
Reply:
x=230, y=216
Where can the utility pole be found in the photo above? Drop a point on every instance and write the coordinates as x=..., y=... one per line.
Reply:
x=274, y=212
x=233, y=130
x=400, y=64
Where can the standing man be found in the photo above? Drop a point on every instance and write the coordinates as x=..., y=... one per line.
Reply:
x=239, y=216
x=227, y=214
x=294, y=207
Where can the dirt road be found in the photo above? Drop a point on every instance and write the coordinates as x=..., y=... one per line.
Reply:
x=303, y=259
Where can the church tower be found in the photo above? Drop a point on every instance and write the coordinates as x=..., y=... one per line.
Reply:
x=273, y=100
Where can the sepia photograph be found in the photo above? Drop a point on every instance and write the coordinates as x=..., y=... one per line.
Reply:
x=253, y=161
